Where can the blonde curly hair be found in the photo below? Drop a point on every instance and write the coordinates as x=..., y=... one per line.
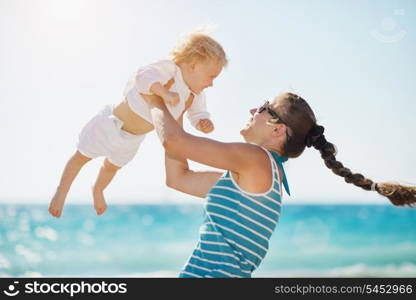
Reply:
x=198, y=46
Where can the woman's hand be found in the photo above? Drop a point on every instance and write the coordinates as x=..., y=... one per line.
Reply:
x=171, y=98
x=155, y=100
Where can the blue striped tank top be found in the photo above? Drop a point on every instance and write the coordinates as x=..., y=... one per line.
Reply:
x=234, y=237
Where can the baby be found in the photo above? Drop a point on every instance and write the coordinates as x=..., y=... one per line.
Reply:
x=116, y=132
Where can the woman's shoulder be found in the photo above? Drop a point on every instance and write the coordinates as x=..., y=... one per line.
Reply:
x=258, y=176
x=258, y=157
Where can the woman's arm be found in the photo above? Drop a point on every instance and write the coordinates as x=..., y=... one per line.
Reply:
x=236, y=157
x=181, y=178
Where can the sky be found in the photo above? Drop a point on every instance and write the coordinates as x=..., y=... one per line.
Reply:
x=62, y=61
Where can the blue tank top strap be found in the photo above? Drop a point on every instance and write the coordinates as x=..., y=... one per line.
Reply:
x=279, y=161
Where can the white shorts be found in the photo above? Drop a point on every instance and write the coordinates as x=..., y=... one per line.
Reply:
x=103, y=136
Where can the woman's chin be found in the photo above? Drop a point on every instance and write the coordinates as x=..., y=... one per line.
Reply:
x=246, y=127
x=243, y=133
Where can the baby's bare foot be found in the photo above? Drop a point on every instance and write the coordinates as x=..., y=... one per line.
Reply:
x=99, y=202
x=57, y=204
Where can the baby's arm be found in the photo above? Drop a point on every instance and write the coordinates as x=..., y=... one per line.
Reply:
x=150, y=80
x=199, y=116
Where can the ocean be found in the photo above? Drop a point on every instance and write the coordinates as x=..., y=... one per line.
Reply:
x=156, y=240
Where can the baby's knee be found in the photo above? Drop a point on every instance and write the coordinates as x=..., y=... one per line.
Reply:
x=80, y=159
x=110, y=167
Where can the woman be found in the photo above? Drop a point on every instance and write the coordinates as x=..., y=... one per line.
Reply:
x=243, y=204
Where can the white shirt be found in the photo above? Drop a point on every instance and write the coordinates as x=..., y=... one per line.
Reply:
x=161, y=71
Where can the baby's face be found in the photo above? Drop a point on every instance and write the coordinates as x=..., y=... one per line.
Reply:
x=200, y=75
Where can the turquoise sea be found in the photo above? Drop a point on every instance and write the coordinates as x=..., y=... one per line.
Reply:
x=156, y=240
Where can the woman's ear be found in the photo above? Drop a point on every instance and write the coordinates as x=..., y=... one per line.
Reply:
x=279, y=130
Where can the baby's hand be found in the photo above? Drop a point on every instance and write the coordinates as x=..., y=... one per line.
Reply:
x=205, y=125
x=171, y=98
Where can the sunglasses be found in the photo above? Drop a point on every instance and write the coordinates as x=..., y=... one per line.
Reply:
x=275, y=116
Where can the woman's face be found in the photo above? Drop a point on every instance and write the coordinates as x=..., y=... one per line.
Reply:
x=258, y=128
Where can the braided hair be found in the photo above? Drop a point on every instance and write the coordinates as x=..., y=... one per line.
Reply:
x=295, y=110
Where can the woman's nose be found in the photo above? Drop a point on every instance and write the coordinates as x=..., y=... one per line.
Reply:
x=252, y=111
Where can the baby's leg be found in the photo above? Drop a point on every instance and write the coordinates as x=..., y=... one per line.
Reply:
x=71, y=170
x=107, y=172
